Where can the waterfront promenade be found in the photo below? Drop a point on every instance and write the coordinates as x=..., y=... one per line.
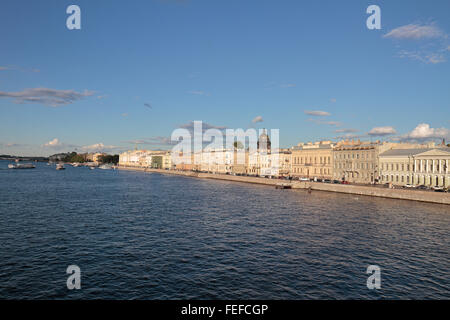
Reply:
x=404, y=194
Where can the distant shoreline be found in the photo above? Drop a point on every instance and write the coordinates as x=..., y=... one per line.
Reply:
x=402, y=194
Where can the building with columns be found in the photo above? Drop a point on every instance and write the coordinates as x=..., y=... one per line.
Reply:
x=358, y=161
x=426, y=166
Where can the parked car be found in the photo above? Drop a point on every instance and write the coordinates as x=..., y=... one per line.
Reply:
x=319, y=180
x=327, y=181
x=336, y=181
x=437, y=188
x=303, y=179
x=409, y=186
x=422, y=187
x=345, y=182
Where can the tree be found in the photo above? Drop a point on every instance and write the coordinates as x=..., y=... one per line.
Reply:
x=109, y=159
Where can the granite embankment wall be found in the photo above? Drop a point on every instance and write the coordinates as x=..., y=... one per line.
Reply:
x=404, y=194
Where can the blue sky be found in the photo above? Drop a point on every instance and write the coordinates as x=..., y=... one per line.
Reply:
x=309, y=68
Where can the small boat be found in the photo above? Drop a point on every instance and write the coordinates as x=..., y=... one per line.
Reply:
x=92, y=168
x=21, y=166
x=60, y=166
x=105, y=167
x=75, y=164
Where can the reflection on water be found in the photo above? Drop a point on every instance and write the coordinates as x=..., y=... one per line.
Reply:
x=152, y=236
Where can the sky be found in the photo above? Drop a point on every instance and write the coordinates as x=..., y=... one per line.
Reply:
x=137, y=70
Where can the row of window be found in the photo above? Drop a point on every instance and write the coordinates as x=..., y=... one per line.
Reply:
x=411, y=180
x=316, y=171
x=302, y=160
x=364, y=155
x=436, y=167
x=362, y=175
x=356, y=165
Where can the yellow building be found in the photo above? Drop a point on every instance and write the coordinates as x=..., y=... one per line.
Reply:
x=312, y=160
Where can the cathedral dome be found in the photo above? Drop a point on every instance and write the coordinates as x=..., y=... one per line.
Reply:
x=264, y=143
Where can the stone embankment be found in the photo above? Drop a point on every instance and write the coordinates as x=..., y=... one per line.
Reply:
x=404, y=194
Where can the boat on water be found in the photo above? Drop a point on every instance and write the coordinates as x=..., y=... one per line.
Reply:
x=75, y=164
x=60, y=166
x=21, y=166
x=105, y=167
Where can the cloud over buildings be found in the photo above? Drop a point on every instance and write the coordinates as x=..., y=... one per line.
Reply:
x=424, y=131
x=382, y=131
x=97, y=147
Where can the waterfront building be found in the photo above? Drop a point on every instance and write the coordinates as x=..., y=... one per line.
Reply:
x=261, y=162
x=167, y=160
x=240, y=162
x=420, y=166
x=144, y=158
x=253, y=167
x=96, y=157
x=358, y=162
x=285, y=161
x=217, y=160
x=312, y=160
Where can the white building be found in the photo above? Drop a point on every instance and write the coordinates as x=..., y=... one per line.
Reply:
x=426, y=166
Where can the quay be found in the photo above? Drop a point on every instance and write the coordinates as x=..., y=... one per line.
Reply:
x=403, y=194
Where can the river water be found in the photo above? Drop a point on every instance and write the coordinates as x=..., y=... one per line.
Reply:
x=141, y=235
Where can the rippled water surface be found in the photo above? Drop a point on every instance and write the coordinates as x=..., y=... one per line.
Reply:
x=151, y=236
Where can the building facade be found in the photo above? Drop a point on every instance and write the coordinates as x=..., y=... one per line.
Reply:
x=356, y=162
x=425, y=166
x=312, y=160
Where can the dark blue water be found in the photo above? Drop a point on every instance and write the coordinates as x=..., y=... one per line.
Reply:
x=151, y=236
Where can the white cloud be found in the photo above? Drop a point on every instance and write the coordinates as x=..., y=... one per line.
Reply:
x=318, y=113
x=333, y=100
x=382, y=131
x=424, y=131
x=433, y=46
x=55, y=143
x=258, y=119
x=415, y=32
x=288, y=85
x=333, y=123
x=97, y=147
x=349, y=130
x=433, y=58
x=46, y=96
